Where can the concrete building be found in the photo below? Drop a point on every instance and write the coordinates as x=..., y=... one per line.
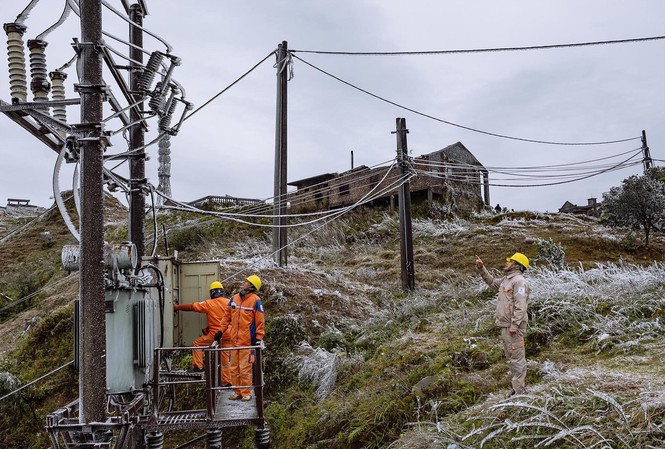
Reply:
x=592, y=208
x=452, y=176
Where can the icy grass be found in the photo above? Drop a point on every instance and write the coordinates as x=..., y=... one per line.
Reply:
x=610, y=306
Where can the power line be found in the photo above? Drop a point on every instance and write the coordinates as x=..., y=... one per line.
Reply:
x=229, y=86
x=35, y=293
x=36, y=380
x=463, y=179
x=481, y=50
x=503, y=136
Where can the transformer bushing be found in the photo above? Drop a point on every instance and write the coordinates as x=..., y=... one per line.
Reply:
x=154, y=440
x=18, y=84
x=39, y=84
x=213, y=439
x=58, y=93
x=262, y=438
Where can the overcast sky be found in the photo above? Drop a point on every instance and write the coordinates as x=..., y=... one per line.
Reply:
x=584, y=94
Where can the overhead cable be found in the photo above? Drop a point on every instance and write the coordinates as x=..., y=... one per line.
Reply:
x=482, y=50
x=229, y=86
x=503, y=136
x=126, y=19
x=293, y=242
x=36, y=292
x=458, y=163
x=61, y=20
x=36, y=380
x=235, y=217
x=20, y=19
x=620, y=165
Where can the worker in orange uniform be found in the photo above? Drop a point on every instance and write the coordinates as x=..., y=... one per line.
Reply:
x=215, y=308
x=246, y=322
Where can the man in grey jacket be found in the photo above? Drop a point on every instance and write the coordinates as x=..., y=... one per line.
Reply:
x=511, y=315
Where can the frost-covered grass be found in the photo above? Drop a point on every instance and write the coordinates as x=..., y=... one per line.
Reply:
x=611, y=396
x=613, y=306
x=562, y=416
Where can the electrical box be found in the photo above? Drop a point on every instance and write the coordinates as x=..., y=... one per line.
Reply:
x=130, y=339
x=195, y=280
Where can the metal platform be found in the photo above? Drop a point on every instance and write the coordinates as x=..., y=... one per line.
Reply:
x=227, y=409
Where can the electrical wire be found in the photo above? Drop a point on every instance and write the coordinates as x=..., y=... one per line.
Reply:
x=36, y=380
x=21, y=18
x=126, y=19
x=61, y=20
x=482, y=50
x=293, y=242
x=228, y=87
x=373, y=194
x=422, y=114
x=35, y=293
x=620, y=165
x=23, y=226
x=457, y=163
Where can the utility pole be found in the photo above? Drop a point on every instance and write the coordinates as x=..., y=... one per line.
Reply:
x=279, y=234
x=92, y=325
x=136, y=135
x=404, y=201
x=647, y=162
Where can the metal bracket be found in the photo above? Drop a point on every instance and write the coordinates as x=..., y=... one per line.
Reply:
x=102, y=89
x=39, y=104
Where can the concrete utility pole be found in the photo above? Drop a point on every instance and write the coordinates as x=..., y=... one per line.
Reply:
x=136, y=135
x=279, y=234
x=92, y=325
x=404, y=201
x=647, y=162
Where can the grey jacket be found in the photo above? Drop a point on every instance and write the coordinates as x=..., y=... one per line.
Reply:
x=512, y=299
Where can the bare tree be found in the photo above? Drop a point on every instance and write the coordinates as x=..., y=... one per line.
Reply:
x=638, y=203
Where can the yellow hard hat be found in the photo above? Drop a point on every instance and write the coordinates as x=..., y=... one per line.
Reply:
x=255, y=281
x=520, y=259
x=216, y=285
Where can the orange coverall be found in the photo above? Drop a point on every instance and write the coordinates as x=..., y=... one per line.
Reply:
x=246, y=322
x=215, y=309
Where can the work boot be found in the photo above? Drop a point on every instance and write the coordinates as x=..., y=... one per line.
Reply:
x=246, y=398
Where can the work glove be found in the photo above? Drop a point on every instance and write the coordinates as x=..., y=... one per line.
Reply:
x=260, y=344
x=215, y=342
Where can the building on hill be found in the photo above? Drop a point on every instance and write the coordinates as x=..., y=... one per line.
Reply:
x=225, y=201
x=20, y=207
x=451, y=175
x=592, y=209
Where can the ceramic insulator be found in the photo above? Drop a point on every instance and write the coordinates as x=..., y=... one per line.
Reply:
x=151, y=67
x=58, y=93
x=39, y=85
x=165, y=122
x=18, y=83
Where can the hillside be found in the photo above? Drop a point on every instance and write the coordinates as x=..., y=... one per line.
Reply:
x=355, y=362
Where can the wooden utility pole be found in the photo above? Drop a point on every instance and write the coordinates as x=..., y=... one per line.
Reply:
x=404, y=202
x=92, y=324
x=279, y=234
x=647, y=162
x=136, y=135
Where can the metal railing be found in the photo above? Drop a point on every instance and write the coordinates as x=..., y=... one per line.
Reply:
x=211, y=378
